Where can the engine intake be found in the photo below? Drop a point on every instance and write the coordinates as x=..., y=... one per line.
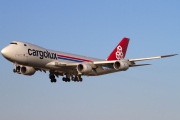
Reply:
x=120, y=65
x=84, y=68
x=27, y=70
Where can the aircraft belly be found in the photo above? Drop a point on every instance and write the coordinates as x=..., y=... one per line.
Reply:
x=106, y=71
x=101, y=71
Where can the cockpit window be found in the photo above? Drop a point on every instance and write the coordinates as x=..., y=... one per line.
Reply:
x=13, y=43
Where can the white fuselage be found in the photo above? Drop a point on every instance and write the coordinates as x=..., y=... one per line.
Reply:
x=27, y=54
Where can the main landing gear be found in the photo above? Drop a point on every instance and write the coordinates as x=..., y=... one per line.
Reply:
x=52, y=78
x=68, y=78
x=75, y=79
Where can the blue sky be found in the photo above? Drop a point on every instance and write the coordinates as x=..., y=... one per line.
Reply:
x=93, y=28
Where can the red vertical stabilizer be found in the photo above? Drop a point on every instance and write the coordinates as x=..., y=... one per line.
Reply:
x=120, y=51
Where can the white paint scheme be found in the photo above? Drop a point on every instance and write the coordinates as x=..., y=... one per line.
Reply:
x=21, y=55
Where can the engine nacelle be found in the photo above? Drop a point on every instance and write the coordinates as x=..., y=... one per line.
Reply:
x=120, y=65
x=27, y=70
x=84, y=68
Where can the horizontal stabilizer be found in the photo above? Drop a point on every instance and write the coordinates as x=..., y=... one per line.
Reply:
x=139, y=65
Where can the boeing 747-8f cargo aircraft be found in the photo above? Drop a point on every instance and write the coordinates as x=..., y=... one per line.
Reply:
x=29, y=58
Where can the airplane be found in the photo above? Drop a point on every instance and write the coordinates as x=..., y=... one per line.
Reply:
x=29, y=58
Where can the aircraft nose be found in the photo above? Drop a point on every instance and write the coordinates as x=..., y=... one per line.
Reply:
x=4, y=52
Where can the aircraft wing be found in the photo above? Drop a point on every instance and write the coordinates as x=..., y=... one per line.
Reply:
x=137, y=65
x=150, y=58
x=133, y=60
x=95, y=64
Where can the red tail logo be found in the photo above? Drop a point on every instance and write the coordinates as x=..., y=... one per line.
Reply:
x=120, y=51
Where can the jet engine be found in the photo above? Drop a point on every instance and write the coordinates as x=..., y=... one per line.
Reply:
x=120, y=65
x=27, y=70
x=84, y=68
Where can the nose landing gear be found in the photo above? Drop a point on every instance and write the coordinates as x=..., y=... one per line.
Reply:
x=17, y=69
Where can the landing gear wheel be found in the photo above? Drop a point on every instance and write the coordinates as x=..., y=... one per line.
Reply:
x=66, y=79
x=53, y=80
x=14, y=70
x=18, y=69
x=63, y=79
x=52, y=77
x=80, y=79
